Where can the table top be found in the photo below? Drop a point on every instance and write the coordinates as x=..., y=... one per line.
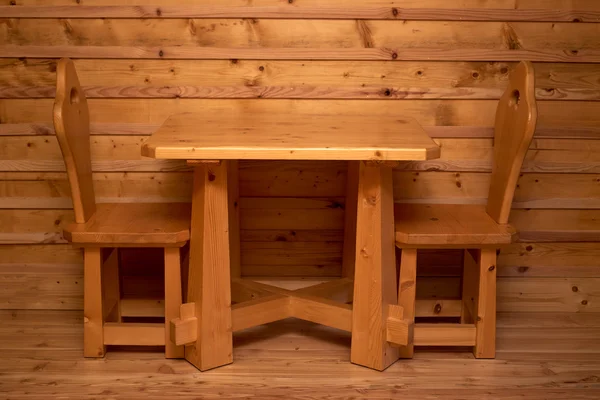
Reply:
x=267, y=136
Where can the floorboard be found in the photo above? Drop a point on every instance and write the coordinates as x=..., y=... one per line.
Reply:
x=540, y=356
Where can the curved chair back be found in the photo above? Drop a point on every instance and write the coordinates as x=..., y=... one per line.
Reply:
x=516, y=118
x=72, y=126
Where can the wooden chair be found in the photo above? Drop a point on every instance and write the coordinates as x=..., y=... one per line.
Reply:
x=479, y=229
x=101, y=229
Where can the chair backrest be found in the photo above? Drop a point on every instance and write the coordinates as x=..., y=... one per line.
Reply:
x=516, y=117
x=72, y=126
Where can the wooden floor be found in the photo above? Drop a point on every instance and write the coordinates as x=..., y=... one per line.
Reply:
x=543, y=356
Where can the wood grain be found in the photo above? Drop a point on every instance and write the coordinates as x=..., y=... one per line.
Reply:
x=365, y=54
x=289, y=12
x=263, y=136
x=295, y=79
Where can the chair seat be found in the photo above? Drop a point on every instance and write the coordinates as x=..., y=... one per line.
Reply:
x=152, y=224
x=448, y=224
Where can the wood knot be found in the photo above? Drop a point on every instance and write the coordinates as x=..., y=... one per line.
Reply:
x=158, y=12
x=529, y=248
x=434, y=219
x=575, y=289
x=395, y=12
x=491, y=268
x=211, y=176
x=261, y=68
x=161, y=53
x=503, y=70
x=13, y=3
x=584, y=302
x=437, y=309
x=522, y=270
x=394, y=55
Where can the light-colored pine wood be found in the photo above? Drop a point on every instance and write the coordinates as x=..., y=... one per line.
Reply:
x=293, y=79
x=262, y=135
x=350, y=211
x=173, y=298
x=50, y=190
x=586, y=5
x=131, y=307
x=399, y=331
x=123, y=225
x=134, y=224
x=111, y=292
x=260, y=311
x=407, y=286
x=516, y=119
x=322, y=311
x=93, y=335
x=374, y=281
x=445, y=334
x=71, y=124
x=448, y=224
x=141, y=129
x=209, y=273
x=264, y=12
x=134, y=334
x=184, y=329
x=233, y=197
x=485, y=308
x=350, y=54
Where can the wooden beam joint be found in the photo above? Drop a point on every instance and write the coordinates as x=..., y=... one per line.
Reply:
x=184, y=330
x=399, y=331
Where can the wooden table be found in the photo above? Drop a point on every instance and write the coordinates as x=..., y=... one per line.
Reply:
x=214, y=144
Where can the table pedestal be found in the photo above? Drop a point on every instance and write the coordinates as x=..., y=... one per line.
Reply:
x=369, y=281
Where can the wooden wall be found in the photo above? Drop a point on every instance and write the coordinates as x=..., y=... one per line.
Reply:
x=447, y=68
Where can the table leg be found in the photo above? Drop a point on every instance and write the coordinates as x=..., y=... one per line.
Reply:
x=209, y=285
x=375, y=268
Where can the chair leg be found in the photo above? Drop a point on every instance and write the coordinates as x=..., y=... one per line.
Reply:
x=111, y=292
x=93, y=334
x=407, y=291
x=479, y=299
x=349, y=251
x=173, y=299
x=485, y=344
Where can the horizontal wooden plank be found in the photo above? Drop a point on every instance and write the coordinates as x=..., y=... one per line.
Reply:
x=550, y=260
x=30, y=288
x=291, y=11
x=44, y=129
x=472, y=113
x=122, y=153
x=250, y=35
x=45, y=226
x=589, y=5
x=139, y=334
x=286, y=92
x=30, y=190
x=366, y=54
x=557, y=226
x=22, y=78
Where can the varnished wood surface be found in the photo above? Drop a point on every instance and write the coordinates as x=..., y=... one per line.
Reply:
x=133, y=224
x=448, y=224
x=369, y=11
x=516, y=119
x=41, y=357
x=260, y=135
